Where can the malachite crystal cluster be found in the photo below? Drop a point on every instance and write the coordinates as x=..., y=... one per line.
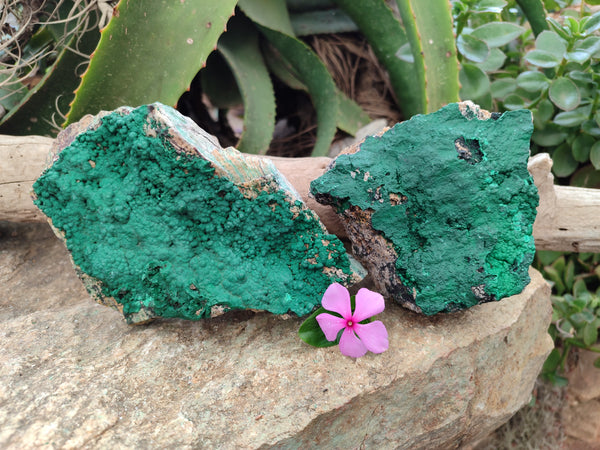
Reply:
x=440, y=208
x=160, y=228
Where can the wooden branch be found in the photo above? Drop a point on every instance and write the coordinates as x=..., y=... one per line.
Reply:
x=22, y=160
x=568, y=217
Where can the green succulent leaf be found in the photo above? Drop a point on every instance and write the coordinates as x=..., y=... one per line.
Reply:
x=563, y=32
x=273, y=21
x=239, y=45
x=550, y=136
x=497, y=34
x=351, y=116
x=503, y=87
x=542, y=59
x=572, y=24
x=581, y=147
x=472, y=48
x=591, y=127
x=150, y=51
x=494, y=62
x=551, y=42
x=572, y=118
x=592, y=24
x=489, y=6
x=474, y=82
x=570, y=274
x=532, y=81
x=564, y=94
x=386, y=35
x=545, y=110
x=579, y=287
x=590, y=334
x=597, y=363
x=513, y=102
x=552, y=362
x=428, y=25
x=583, y=50
x=564, y=164
x=595, y=155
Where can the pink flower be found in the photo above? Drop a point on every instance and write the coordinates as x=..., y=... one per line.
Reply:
x=356, y=338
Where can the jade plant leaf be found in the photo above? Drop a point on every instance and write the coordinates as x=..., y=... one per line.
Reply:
x=494, y=61
x=474, y=82
x=581, y=147
x=150, y=51
x=595, y=155
x=240, y=47
x=497, y=34
x=564, y=94
x=472, y=48
x=542, y=59
x=572, y=118
x=564, y=163
x=532, y=81
x=591, y=24
x=503, y=87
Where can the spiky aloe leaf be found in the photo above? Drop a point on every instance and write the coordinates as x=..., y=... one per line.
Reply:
x=150, y=51
x=219, y=84
x=272, y=18
x=239, y=45
x=38, y=112
x=351, y=116
x=387, y=37
x=535, y=13
x=428, y=25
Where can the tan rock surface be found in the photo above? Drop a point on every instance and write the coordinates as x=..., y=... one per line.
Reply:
x=74, y=375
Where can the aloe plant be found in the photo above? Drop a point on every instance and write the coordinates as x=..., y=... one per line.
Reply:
x=429, y=30
x=150, y=51
x=39, y=110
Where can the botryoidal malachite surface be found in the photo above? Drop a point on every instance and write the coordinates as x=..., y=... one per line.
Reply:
x=450, y=194
x=162, y=232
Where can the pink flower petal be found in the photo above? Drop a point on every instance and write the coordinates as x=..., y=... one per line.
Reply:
x=331, y=325
x=350, y=345
x=337, y=298
x=373, y=335
x=368, y=303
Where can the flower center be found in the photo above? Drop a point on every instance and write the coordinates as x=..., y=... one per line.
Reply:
x=349, y=323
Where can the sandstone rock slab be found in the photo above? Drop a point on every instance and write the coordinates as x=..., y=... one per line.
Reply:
x=440, y=208
x=163, y=222
x=75, y=375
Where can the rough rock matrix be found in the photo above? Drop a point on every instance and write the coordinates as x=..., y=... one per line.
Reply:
x=440, y=208
x=72, y=377
x=160, y=221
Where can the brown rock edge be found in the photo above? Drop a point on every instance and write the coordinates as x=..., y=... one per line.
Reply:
x=74, y=375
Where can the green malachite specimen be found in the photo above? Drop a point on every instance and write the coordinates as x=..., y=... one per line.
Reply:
x=162, y=222
x=440, y=208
